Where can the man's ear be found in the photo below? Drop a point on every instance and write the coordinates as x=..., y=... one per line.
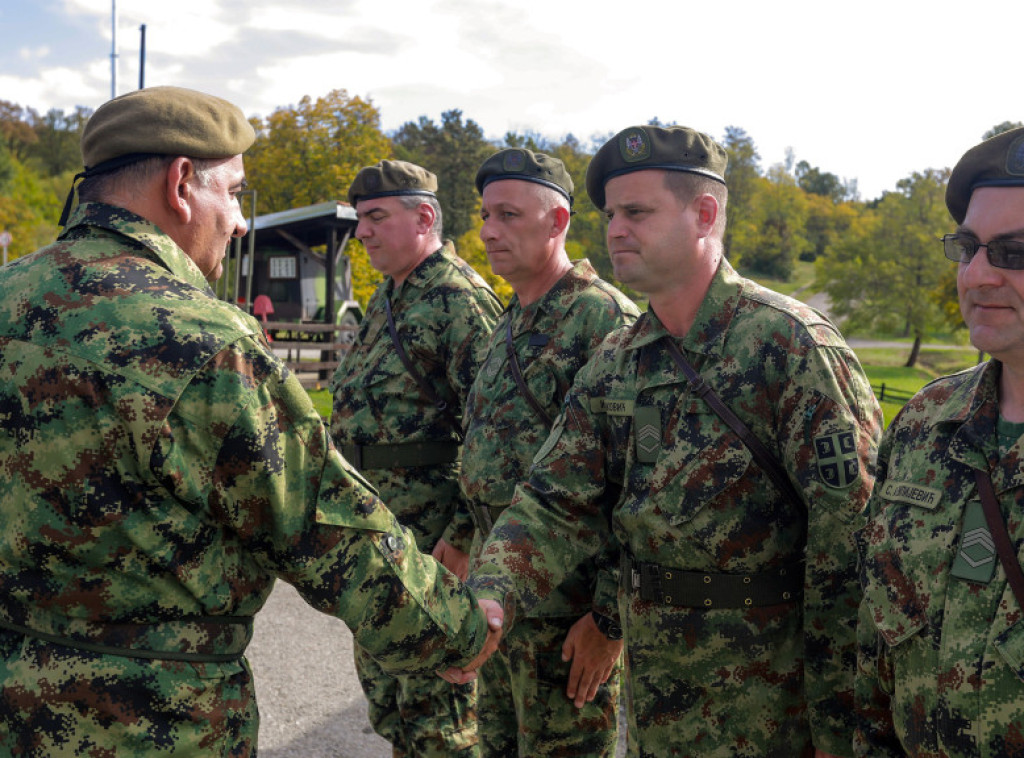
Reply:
x=178, y=188
x=707, y=214
x=561, y=220
x=425, y=219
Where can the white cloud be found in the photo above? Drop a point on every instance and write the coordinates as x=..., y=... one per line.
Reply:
x=34, y=53
x=872, y=94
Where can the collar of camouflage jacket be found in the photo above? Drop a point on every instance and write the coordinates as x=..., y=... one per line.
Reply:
x=127, y=224
x=711, y=324
x=428, y=269
x=557, y=301
x=972, y=406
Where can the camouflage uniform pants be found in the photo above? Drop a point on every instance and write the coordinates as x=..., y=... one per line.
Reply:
x=714, y=684
x=58, y=702
x=420, y=715
x=523, y=706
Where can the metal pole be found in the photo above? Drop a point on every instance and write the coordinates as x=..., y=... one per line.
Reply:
x=113, y=49
x=252, y=253
x=142, y=57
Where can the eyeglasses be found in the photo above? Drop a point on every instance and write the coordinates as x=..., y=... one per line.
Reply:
x=1007, y=254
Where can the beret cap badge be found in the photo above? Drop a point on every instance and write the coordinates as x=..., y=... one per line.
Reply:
x=514, y=160
x=528, y=166
x=634, y=145
x=666, y=148
x=1015, y=157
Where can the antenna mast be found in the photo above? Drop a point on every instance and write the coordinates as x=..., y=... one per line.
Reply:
x=113, y=49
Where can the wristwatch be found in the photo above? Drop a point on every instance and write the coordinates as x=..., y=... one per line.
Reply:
x=606, y=626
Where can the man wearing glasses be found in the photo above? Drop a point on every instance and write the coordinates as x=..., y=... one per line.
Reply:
x=941, y=630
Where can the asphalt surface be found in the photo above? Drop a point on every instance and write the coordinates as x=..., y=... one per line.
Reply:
x=311, y=705
x=310, y=701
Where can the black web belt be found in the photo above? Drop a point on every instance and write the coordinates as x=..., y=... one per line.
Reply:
x=400, y=455
x=196, y=639
x=698, y=589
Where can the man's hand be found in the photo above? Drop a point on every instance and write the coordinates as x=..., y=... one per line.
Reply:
x=593, y=655
x=495, y=617
x=452, y=559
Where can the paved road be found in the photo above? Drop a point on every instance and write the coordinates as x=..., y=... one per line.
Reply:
x=311, y=705
x=310, y=702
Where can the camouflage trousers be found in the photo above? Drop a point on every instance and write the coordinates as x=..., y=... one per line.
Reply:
x=57, y=701
x=420, y=715
x=523, y=706
x=723, y=683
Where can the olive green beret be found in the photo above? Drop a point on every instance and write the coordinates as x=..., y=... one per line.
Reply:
x=996, y=162
x=672, y=148
x=164, y=121
x=519, y=163
x=390, y=178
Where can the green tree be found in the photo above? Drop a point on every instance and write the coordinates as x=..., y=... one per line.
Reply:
x=6, y=168
x=1000, y=128
x=770, y=234
x=16, y=129
x=813, y=180
x=310, y=153
x=453, y=151
x=884, y=272
x=741, y=176
x=826, y=222
x=29, y=207
x=57, y=147
x=588, y=226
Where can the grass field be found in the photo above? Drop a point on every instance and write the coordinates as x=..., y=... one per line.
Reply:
x=321, y=401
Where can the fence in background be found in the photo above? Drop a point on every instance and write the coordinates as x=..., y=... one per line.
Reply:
x=297, y=340
x=887, y=394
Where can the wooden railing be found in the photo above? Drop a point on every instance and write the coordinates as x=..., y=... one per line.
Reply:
x=296, y=340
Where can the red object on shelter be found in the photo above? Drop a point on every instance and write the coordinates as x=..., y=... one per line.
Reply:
x=263, y=306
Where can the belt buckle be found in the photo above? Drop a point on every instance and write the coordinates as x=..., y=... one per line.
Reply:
x=650, y=582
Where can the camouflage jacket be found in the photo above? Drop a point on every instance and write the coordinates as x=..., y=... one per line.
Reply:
x=443, y=313
x=941, y=665
x=160, y=467
x=638, y=457
x=553, y=338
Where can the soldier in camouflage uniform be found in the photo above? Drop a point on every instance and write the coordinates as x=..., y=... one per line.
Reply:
x=401, y=425
x=737, y=599
x=552, y=688
x=941, y=633
x=160, y=467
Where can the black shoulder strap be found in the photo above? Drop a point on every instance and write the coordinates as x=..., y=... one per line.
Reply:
x=424, y=385
x=517, y=374
x=997, y=527
x=761, y=454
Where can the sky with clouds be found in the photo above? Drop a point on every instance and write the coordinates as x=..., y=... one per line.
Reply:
x=870, y=91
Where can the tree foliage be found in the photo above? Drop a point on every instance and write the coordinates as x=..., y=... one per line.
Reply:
x=310, y=153
x=813, y=180
x=50, y=143
x=453, y=151
x=16, y=129
x=1000, y=128
x=886, y=271
x=878, y=262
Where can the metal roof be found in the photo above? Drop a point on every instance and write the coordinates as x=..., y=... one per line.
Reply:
x=311, y=224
